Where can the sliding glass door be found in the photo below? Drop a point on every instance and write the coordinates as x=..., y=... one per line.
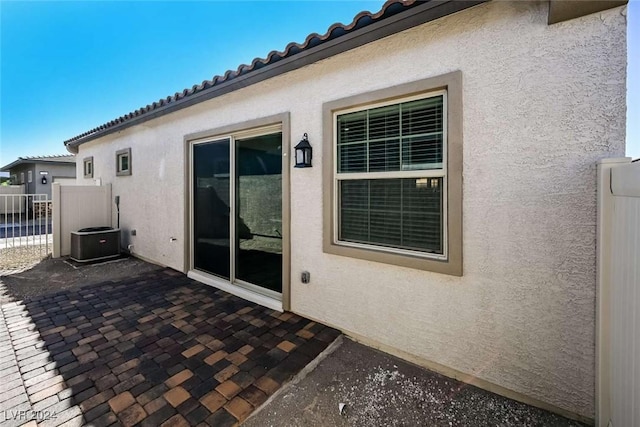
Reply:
x=212, y=207
x=237, y=210
x=259, y=211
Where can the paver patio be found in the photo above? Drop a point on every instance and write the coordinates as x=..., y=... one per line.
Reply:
x=156, y=349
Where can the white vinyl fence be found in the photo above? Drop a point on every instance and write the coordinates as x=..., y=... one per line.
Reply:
x=76, y=207
x=618, y=295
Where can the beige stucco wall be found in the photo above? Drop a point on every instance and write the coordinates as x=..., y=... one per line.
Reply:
x=541, y=105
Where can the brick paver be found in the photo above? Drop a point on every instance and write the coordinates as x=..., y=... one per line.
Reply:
x=156, y=349
x=239, y=408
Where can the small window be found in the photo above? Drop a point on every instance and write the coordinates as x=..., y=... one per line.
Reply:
x=123, y=162
x=88, y=167
x=30, y=176
x=21, y=177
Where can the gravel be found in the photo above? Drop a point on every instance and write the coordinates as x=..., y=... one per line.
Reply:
x=13, y=260
x=359, y=386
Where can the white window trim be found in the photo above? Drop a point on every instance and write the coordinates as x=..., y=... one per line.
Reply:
x=121, y=168
x=30, y=176
x=424, y=173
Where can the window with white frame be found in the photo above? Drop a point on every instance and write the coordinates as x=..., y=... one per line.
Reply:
x=30, y=176
x=88, y=167
x=393, y=175
x=123, y=162
x=21, y=177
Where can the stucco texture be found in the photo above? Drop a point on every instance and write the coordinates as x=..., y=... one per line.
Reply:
x=541, y=104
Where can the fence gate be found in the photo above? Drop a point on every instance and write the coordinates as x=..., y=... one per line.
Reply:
x=25, y=230
x=618, y=297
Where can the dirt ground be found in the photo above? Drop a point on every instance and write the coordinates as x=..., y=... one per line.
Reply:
x=356, y=385
x=51, y=275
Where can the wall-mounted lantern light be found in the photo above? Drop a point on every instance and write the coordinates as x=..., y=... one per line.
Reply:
x=303, y=153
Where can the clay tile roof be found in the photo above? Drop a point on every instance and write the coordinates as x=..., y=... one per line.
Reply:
x=190, y=96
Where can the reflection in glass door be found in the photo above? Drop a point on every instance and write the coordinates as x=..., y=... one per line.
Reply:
x=258, y=188
x=211, y=208
x=237, y=211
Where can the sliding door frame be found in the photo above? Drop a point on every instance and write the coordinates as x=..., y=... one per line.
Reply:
x=261, y=126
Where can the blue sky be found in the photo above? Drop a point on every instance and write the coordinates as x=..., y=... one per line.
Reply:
x=67, y=67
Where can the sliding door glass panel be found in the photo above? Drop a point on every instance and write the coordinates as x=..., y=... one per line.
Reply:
x=259, y=211
x=211, y=207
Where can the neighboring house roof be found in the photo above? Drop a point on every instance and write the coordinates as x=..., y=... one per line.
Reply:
x=395, y=16
x=60, y=158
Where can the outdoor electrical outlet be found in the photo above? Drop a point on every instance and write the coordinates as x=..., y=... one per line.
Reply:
x=133, y=232
x=306, y=277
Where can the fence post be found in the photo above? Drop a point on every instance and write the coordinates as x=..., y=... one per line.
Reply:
x=55, y=212
x=603, y=288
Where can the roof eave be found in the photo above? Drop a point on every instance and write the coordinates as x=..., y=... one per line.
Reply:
x=19, y=162
x=11, y=165
x=565, y=10
x=415, y=16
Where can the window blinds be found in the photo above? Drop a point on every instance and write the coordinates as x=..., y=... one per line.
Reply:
x=389, y=210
